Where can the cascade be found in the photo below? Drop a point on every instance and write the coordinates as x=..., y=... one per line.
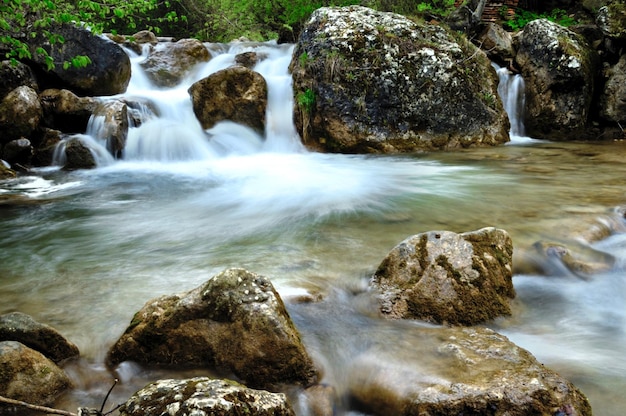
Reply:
x=511, y=90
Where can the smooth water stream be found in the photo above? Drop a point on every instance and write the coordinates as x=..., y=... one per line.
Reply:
x=84, y=250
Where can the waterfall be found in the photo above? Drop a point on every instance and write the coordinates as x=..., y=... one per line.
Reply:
x=511, y=90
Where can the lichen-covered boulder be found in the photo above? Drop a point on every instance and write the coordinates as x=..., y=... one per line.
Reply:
x=613, y=103
x=17, y=326
x=29, y=376
x=168, y=63
x=369, y=82
x=65, y=111
x=235, y=321
x=237, y=94
x=204, y=396
x=559, y=70
x=459, y=371
x=445, y=277
x=611, y=19
x=20, y=114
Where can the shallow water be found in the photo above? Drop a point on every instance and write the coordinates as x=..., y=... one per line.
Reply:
x=84, y=250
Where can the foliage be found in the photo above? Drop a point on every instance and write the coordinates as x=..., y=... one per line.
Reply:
x=21, y=18
x=435, y=8
x=523, y=17
x=306, y=100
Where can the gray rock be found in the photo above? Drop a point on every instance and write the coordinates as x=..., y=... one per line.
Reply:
x=366, y=81
x=236, y=322
x=202, y=396
x=109, y=123
x=237, y=94
x=444, y=277
x=17, y=326
x=476, y=372
x=27, y=375
x=77, y=155
x=17, y=151
x=611, y=19
x=614, y=96
x=559, y=69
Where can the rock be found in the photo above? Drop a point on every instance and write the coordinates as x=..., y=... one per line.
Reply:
x=582, y=261
x=373, y=82
x=109, y=123
x=20, y=327
x=65, y=111
x=611, y=19
x=236, y=321
x=237, y=94
x=559, y=69
x=444, y=277
x=5, y=171
x=77, y=155
x=44, y=152
x=204, y=396
x=13, y=76
x=108, y=73
x=476, y=372
x=319, y=400
x=497, y=43
x=27, y=375
x=169, y=63
x=17, y=151
x=247, y=59
x=613, y=103
x=20, y=114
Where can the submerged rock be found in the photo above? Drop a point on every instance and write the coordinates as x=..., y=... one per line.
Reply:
x=17, y=326
x=444, y=277
x=559, y=69
x=366, y=81
x=236, y=322
x=203, y=396
x=476, y=372
x=29, y=376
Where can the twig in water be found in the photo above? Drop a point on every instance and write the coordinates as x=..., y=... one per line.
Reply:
x=43, y=409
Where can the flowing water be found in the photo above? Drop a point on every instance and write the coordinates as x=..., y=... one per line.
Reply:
x=84, y=250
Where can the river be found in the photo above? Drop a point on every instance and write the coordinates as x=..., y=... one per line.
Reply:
x=84, y=250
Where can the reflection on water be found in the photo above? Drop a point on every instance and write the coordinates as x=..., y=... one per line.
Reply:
x=84, y=250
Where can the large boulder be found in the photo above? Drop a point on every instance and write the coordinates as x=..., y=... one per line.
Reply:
x=237, y=94
x=235, y=321
x=204, y=396
x=17, y=326
x=367, y=81
x=476, y=372
x=169, y=63
x=107, y=74
x=27, y=375
x=20, y=114
x=559, y=69
x=445, y=277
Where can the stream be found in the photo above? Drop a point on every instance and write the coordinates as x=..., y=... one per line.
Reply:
x=84, y=250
